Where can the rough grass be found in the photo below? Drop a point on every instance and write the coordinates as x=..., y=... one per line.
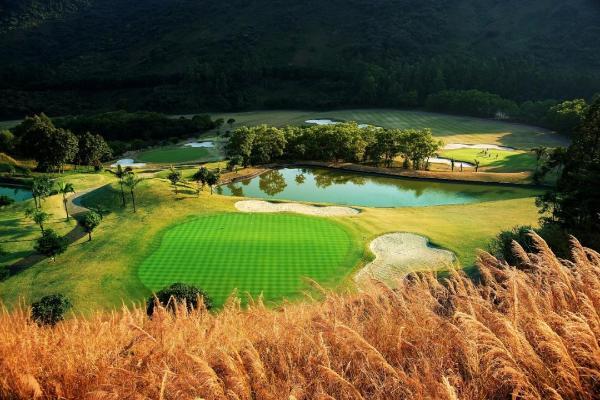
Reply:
x=449, y=128
x=529, y=332
x=252, y=253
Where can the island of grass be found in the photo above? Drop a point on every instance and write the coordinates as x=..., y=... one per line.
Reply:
x=254, y=254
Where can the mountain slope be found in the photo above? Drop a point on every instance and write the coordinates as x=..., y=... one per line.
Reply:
x=118, y=46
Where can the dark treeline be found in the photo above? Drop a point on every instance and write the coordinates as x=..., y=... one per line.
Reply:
x=333, y=143
x=54, y=143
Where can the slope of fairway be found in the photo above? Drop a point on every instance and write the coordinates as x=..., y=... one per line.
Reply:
x=449, y=128
x=178, y=154
x=254, y=253
x=495, y=160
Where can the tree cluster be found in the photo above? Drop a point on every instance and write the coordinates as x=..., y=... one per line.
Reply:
x=344, y=142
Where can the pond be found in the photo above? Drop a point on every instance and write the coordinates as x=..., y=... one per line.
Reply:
x=16, y=193
x=348, y=188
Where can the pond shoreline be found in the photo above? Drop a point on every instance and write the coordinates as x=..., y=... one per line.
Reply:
x=407, y=174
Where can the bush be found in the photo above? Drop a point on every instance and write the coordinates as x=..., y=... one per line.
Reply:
x=181, y=293
x=49, y=310
x=501, y=246
x=6, y=201
x=51, y=244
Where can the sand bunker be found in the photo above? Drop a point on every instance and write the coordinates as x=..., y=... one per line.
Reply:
x=457, y=164
x=267, y=207
x=200, y=144
x=397, y=254
x=128, y=162
x=455, y=146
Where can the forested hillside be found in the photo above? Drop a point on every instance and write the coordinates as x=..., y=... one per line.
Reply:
x=70, y=56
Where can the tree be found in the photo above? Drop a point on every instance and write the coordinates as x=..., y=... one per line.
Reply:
x=65, y=188
x=174, y=177
x=212, y=179
x=50, y=310
x=7, y=141
x=234, y=161
x=51, y=244
x=574, y=204
x=131, y=181
x=540, y=152
x=121, y=173
x=38, y=216
x=567, y=116
x=179, y=293
x=200, y=177
x=230, y=122
x=93, y=149
x=476, y=164
x=418, y=145
x=89, y=222
x=40, y=189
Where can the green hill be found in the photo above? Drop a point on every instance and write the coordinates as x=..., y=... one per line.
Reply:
x=178, y=55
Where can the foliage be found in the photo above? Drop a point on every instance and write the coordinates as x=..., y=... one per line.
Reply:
x=7, y=141
x=6, y=201
x=501, y=246
x=38, y=216
x=340, y=142
x=567, y=116
x=50, y=310
x=89, y=222
x=41, y=188
x=131, y=181
x=65, y=188
x=179, y=294
x=234, y=161
x=174, y=177
x=212, y=178
x=574, y=204
x=537, y=326
x=51, y=147
x=93, y=150
x=51, y=244
x=472, y=102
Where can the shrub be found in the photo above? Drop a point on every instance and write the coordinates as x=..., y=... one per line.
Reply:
x=50, y=309
x=51, y=244
x=501, y=246
x=179, y=293
x=6, y=201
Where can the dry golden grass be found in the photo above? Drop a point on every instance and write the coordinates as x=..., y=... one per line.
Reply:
x=526, y=332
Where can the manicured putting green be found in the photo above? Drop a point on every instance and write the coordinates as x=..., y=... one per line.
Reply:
x=253, y=253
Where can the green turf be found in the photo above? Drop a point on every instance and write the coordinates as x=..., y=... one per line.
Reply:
x=495, y=160
x=253, y=253
x=450, y=128
x=177, y=154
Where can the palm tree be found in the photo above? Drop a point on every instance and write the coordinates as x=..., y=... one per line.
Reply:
x=477, y=162
x=65, y=188
x=121, y=173
x=131, y=181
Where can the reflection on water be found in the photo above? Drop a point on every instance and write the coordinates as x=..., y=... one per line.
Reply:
x=15, y=193
x=334, y=186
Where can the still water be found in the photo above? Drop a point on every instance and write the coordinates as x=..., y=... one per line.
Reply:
x=348, y=188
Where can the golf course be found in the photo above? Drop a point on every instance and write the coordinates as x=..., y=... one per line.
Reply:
x=204, y=236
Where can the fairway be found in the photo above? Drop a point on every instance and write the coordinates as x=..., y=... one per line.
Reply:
x=449, y=128
x=495, y=160
x=178, y=154
x=253, y=253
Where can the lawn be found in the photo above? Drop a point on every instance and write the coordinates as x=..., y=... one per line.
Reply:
x=449, y=128
x=495, y=160
x=253, y=253
x=105, y=273
x=181, y=154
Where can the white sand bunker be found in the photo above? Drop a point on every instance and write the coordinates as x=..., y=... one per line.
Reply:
x=200, y=144
x=457, y=164
x=455, y=146
x=397, y=254
x=128, y=162
x=267, y=207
